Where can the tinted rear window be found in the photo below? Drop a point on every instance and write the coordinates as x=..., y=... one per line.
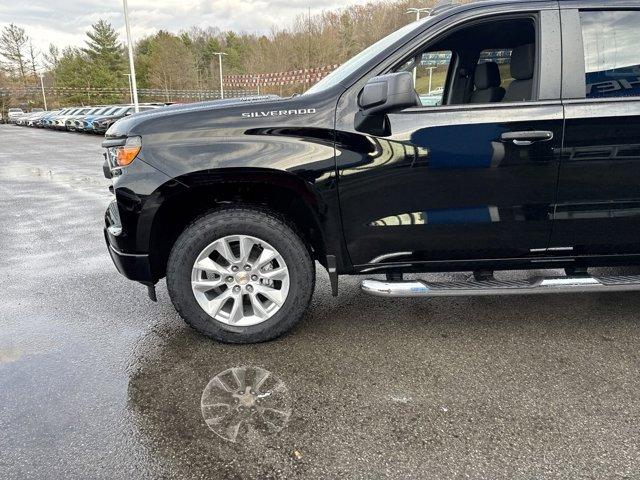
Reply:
x=611, y=53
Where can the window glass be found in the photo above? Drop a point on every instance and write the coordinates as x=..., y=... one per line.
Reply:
x=354, y=63
x=503, y=58
x=430, y=74
x=611, y=53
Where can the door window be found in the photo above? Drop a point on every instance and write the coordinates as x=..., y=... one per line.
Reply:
x=611, y=53
x=486, y=62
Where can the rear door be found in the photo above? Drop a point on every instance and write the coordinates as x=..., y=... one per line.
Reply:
x=598, y=206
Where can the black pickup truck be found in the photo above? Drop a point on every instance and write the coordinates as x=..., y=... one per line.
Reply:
x=489, y=136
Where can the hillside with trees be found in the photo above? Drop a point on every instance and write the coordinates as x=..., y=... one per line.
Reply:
x=168, y=63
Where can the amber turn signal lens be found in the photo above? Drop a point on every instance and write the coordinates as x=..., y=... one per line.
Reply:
x=127, y=153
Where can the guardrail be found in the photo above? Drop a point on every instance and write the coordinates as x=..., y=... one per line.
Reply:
x=157, y=92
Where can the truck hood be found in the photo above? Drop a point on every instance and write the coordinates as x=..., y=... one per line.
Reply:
x=132, y=124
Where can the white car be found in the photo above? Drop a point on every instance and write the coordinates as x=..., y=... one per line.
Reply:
x=13, y=114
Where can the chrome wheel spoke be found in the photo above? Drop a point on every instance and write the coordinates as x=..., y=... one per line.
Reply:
x=246, y=244
x=266, y=256
x=208, y=265
x=279, y=273
x=224, y=250
x=258, y=309
x=271, y=294
x=236, y=311
x=206, y=285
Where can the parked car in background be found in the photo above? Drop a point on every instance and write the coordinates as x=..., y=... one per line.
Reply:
x=70, y=121
x=51, y=121
x=87, y=121
x=79, y=119
x=25, y=119
x=18, y=120
x=60, y=121
x=45, y=118
x=13, y=114
x=36, y=119
x=102, y=124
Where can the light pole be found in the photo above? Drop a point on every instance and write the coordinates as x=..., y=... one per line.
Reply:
x=44, y=97
x=128, y=75
x=418, y=11
x=220, y=54
x=430, y=77
x=132, y=68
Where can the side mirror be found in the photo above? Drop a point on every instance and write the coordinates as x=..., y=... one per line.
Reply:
x=387, y=93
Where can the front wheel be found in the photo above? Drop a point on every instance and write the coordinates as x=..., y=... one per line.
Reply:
x=240, y=275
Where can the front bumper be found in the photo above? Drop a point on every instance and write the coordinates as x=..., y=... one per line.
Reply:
x=134, y=266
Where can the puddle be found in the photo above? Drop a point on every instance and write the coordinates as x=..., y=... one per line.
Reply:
x=9, y=354
x=244, y=403
x=22, y=171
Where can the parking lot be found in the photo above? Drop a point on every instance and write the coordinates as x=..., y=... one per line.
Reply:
x=97, y=381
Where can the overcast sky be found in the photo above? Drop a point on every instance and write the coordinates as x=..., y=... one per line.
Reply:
x=64, y=22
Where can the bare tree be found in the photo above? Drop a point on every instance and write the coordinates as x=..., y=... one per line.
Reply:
x=32, y=61
x=51, y=57
x=13, y=42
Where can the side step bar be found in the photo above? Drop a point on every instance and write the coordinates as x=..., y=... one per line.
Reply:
x=420, y=288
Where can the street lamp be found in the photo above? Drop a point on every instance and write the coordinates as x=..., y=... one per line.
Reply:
x=220, y=54
x=44, y=97
x=132, y=68
x=418, y=11
x=128, y=75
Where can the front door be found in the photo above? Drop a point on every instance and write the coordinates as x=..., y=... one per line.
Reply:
x=454, y=182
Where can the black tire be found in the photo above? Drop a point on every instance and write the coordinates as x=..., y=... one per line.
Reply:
x=256, y=222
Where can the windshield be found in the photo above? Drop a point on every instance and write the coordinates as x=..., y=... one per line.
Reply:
x=354, y=63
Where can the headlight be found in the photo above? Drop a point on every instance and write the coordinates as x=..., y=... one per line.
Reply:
x=126, y=153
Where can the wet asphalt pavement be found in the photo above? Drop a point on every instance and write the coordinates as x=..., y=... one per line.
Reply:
x=97, y=381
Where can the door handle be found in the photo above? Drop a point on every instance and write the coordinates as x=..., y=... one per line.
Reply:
x=527, y=138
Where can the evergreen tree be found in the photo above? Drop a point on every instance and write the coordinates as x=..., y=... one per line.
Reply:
x=73, y=70
x=104, y=50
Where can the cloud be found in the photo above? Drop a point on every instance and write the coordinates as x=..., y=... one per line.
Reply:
x=65, y=22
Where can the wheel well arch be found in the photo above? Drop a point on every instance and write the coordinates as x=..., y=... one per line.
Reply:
x=280, y=192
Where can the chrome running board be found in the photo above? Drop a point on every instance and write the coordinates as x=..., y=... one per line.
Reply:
x=421, y=288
